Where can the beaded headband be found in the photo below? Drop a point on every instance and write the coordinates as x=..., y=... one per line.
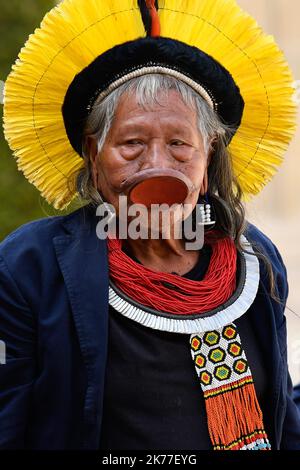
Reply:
x=151, y=69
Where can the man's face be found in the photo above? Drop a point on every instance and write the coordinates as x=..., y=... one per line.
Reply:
x=164, y=135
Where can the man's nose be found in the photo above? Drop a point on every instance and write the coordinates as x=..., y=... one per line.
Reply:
x=156, y=156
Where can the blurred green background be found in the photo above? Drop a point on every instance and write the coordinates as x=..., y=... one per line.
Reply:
x=20, y=202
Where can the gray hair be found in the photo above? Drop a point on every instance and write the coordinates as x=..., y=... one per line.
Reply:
x=148, y=90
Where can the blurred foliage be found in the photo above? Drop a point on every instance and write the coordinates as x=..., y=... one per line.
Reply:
x=20, y=202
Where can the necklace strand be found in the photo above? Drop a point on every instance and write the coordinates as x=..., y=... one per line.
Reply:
x=146, y=286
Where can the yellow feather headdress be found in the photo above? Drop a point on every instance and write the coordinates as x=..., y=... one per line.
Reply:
x=76, y=32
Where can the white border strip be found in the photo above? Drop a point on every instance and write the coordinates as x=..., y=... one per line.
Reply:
x=198, y=325
x=163, y=70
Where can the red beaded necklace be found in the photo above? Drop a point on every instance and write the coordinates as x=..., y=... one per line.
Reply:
x=148, y=287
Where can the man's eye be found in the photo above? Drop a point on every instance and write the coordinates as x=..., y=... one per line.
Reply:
x=177, y=143
x=133, y=142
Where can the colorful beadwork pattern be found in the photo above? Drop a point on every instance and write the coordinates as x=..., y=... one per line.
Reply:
x=228, y=388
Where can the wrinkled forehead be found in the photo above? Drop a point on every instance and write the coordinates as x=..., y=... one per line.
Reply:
x=159, y=102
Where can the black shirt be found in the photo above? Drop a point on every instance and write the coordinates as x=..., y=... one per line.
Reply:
x=153, y=399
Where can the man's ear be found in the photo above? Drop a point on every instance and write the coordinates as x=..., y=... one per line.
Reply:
x=211, y=151
x=204, y=186
x=209, y=157
x=92, y=152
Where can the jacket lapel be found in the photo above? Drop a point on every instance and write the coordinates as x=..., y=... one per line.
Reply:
x=265, y=327
x=82, y=258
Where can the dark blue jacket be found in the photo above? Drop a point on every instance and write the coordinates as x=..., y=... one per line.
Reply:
x=54, y=320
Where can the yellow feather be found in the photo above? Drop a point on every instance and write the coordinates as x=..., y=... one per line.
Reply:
x=75, y=32
x=71, y=36
x=231, y=36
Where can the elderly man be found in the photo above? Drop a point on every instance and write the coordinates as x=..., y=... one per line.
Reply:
x=145, y=342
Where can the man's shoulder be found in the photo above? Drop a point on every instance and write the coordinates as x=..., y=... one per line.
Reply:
x=34, y=229
x=38, y=234
x=256, y=235
x=263, y=243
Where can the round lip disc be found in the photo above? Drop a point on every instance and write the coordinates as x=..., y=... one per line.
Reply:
x=159, y=190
